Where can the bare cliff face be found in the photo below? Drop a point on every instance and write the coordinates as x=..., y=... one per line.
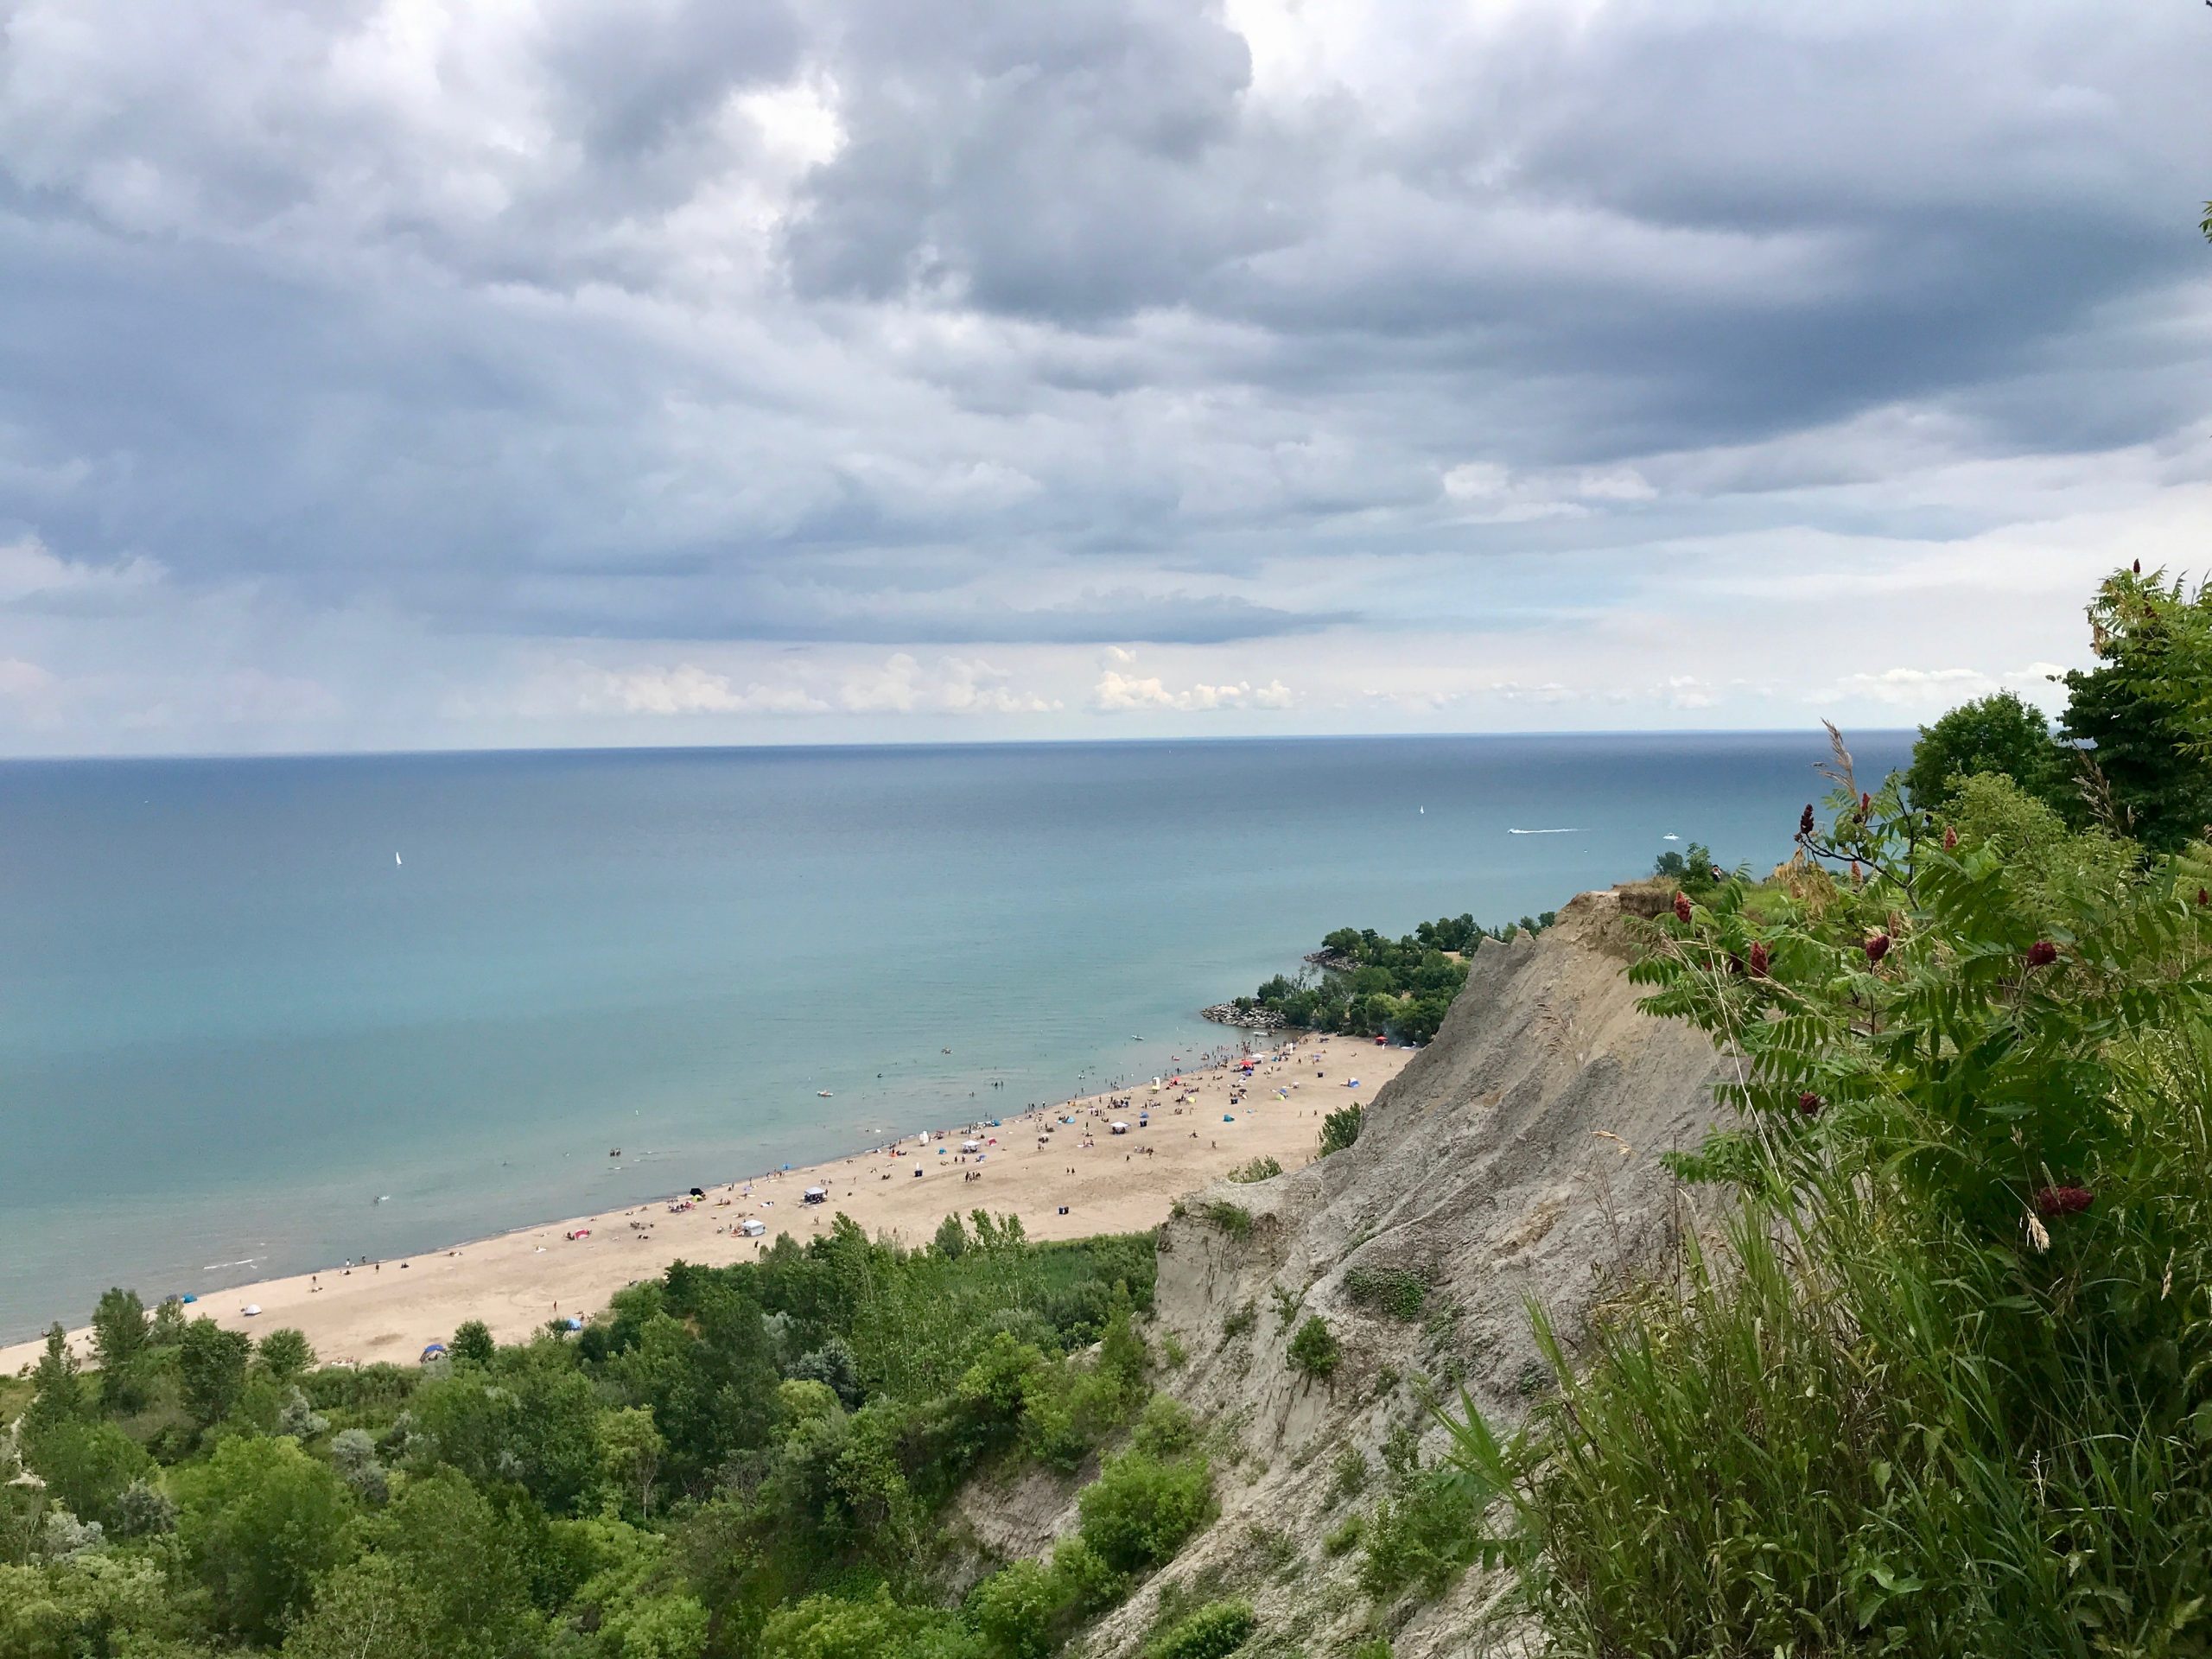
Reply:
x=1515, y=1159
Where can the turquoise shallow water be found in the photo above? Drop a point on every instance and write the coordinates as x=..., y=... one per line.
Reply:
x=229, y=1021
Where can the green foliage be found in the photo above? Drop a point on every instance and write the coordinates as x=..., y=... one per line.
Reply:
x=1997, y=735
x=1213, y=1632
x=735, y=1463
x=286, y=1354
x=1138, y=1512
x=57, y=1393
x=1165, y=1428
x=210, y=1365
x=536, y=1425
x=1424, y=1534
x=120, y=1341
x=260, y=1523
x=1396, y=1292
x=1026, y=1610
x=826, y=1627
x=471, y=1343
x=1348, y=1475
x=1240, y=1321
x=1260, y=1169
x=1341, y=1128
x=86, y=1466
x=443, y=1579
x=1690, y=870
x=1313, y=1350
x=1369, y=985
x=2147, y=707
x=95, y=1603
x=1232, y=1218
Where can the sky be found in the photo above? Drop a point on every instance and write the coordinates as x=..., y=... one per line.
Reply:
x=399, y=374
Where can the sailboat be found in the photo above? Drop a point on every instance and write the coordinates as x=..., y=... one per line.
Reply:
x=395, y=858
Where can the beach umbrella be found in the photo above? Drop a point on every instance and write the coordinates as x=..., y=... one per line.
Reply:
x=251, y=1309
x=434, y=1350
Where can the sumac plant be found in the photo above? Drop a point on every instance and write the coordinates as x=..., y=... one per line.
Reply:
x=1934, y=1374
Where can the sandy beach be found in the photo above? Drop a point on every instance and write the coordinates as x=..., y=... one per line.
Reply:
x=1064, y=1178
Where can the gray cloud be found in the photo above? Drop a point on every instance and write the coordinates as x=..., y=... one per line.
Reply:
x=1109, y=321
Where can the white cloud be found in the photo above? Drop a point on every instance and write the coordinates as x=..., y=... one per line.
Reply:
x=686, y=688
x=1118, y=693
x=21, y=681
x=29, y=569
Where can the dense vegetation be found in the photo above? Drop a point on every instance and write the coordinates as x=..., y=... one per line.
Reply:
x=1367, y=985
x=753, y=1460
x=1939, y=1378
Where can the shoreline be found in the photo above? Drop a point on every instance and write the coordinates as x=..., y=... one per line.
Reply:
x=517, y=1281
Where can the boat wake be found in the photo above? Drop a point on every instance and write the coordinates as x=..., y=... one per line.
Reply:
x=1569, y=831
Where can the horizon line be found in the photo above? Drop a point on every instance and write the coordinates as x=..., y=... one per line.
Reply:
x=464, y=752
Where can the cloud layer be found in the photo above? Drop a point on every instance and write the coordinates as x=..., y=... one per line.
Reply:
x=399, y=373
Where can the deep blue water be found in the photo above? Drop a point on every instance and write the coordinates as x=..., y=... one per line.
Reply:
x=229, y=1019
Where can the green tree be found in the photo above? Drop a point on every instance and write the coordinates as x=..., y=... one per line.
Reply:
x=2147, y=708
x=951, y=1240
x=286, y=1354
x=86, y=1466
x=630, y=1450
x=211, y=1366
x=260, y=1523
x=120, y=1339
x=93, y=1605
x=539, y=1426
x=471, y=1343
x=166, y=1329
x=370, y=1609
x=1998, y=733
x=57, y=1395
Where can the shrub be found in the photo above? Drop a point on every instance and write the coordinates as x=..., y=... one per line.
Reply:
x=1341, y=1128
x=1313, y=1350
x=285, y=1353
x=1019, y=1610
x=1232, y=1218
x=1141, y=1509
x=1240, y=1321
x=1348, y=1477
x=1166, y=1429
x=1423, y=1536
x=1260, y=1169
x=142, y=1510
x=1342, y=1537
x=1393, y=1290
x=1213, y=1632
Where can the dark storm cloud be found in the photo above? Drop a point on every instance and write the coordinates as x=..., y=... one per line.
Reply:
x=1063, y=323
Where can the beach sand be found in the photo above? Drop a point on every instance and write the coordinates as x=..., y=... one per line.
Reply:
x=516, y=1282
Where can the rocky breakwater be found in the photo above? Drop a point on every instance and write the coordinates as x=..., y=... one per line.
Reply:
x=1245, y=1013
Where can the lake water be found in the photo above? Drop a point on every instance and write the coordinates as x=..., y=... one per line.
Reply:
x=240, y=1000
